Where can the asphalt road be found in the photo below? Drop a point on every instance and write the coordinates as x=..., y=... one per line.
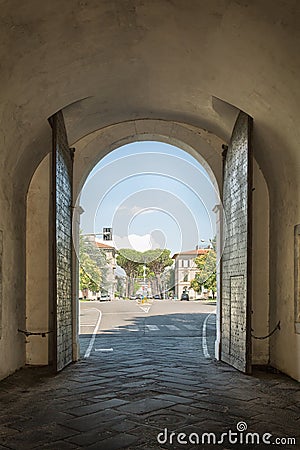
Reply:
x=103, y=325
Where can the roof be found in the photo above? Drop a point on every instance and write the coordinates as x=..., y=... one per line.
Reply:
x=104, y=246
x=196, y=252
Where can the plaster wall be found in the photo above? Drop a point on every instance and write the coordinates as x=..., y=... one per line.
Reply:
x=284, y=343
x=260, y=268
x=37, y=264
x=12, y=224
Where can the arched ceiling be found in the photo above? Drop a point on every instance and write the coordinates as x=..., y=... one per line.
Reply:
x=191, y=61
x=205, y=147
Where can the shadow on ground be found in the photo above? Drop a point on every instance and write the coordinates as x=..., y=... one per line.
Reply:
x=149, y=382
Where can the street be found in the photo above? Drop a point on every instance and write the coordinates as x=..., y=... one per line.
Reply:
x=146, y=374
x=105, y=326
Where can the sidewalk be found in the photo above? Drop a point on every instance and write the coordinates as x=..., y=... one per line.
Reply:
x=126, y=397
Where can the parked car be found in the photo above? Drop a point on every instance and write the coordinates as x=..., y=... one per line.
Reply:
x=157, y=297
x=185, y=296
x=132, y=297
x=105, y=298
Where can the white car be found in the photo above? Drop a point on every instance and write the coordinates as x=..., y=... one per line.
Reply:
x=105, y=298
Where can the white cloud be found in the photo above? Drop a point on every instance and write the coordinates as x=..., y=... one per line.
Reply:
x=135, y=210
x=148, y=211
x=140, y=243
x=137, y=242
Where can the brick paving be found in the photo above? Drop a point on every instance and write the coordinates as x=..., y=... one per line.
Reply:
x=125, y=397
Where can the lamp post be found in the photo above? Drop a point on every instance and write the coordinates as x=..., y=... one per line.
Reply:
x=144, y=280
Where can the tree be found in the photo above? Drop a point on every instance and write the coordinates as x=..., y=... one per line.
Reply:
x=90, y=275
x=130, y=261
x=98, y=257
x=168, y=279
x=93, y=265
x=206, y=276
x=133, y=261
x=120, y=287
x=156, y=261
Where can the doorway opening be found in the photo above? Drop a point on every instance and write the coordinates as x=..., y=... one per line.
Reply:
x=148, y=248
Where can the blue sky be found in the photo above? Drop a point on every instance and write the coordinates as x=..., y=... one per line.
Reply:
x=153, y=195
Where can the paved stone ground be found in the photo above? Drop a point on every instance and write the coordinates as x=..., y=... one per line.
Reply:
x=125, y=397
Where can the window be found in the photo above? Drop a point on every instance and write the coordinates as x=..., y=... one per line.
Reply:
x=297, y=278
x=186, y=278
x=185, y=263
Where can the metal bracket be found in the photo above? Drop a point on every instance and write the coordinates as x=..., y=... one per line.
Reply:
x=32, y=333
x=268, y=335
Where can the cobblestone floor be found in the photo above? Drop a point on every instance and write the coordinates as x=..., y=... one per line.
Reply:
x=124, y=398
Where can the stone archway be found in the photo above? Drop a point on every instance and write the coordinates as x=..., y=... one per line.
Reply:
x=207, y=149
x=201, y=144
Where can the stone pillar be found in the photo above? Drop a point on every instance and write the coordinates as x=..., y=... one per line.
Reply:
x=77, y=211
x=219, y=246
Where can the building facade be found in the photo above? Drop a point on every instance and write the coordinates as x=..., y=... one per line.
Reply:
x=185, y=271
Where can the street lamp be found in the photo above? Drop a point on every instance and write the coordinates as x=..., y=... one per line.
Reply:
x=209, y=242
x=106, y=233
